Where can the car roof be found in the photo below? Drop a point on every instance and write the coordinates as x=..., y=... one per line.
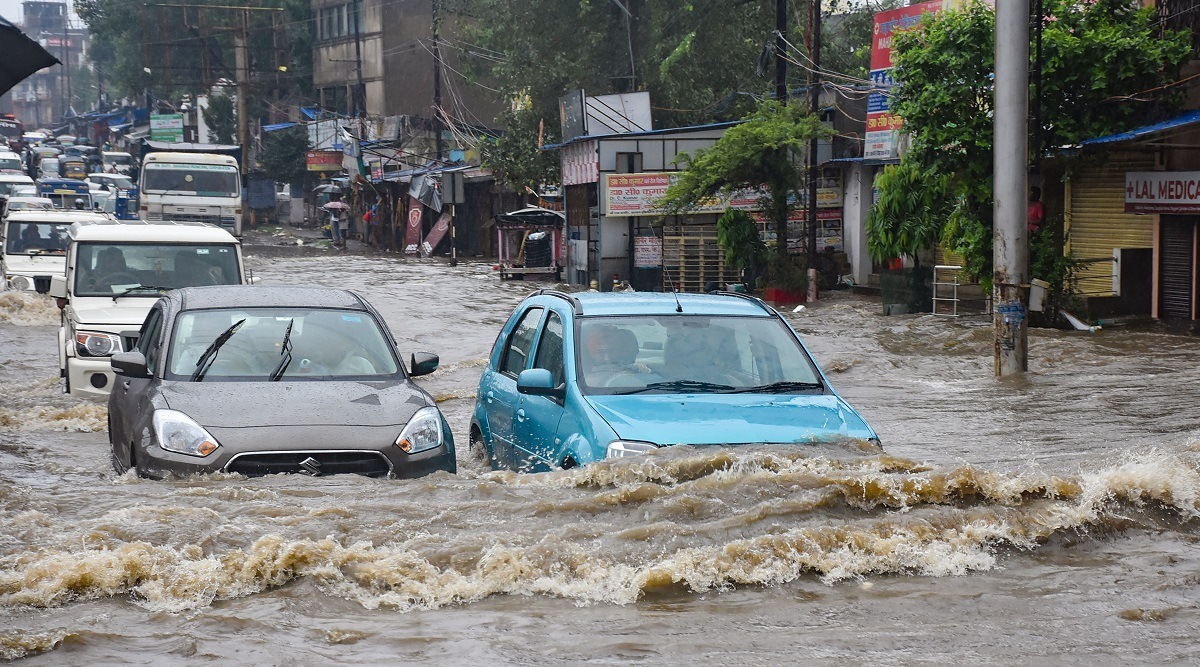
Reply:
x=150, y=231
x=662, y=303
x=265, y=296
x=55, y=216
x=15, y=178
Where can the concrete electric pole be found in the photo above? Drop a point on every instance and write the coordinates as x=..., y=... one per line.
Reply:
x=1010, y=281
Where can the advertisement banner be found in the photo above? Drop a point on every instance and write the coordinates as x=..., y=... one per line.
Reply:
x=412, y=227
x=376, y=170
x=434, y=237
x=883, y=127
x=1162, y=192
x=166, y=127
x=323, y=160
x=638, y=194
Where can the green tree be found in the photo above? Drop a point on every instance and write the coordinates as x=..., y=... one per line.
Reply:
x=763, y=151
x=283, y=156
x=1098, y=58
x=220, y=119
x=911, y=212
x=514, y=156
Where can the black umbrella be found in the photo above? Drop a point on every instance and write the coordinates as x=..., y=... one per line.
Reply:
x=22, y=56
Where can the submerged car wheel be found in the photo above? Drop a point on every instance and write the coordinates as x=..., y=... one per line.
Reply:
x=478, y=448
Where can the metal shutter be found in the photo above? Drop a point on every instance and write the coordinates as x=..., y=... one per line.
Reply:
x=1097, y=221
x=1175, y=268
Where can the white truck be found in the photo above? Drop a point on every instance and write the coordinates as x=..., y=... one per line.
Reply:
x=193, y=186
x=35, y=245
x=116, y=270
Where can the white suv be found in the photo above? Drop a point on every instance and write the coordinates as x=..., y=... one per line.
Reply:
x=117, y=270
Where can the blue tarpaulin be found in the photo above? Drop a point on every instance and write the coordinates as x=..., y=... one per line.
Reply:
x=278, y=126
x=1190, y=118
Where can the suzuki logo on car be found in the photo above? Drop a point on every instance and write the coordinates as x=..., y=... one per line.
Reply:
x=311, y=466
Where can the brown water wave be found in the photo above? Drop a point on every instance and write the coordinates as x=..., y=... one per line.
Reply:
x=835, y=519
x=27, y=309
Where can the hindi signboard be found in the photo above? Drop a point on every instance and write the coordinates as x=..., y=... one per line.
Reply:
x=883, y=127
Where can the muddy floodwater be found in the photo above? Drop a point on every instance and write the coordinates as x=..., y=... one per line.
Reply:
x=1047, y=519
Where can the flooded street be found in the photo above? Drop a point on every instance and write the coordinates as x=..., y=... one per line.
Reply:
x=1049, y=518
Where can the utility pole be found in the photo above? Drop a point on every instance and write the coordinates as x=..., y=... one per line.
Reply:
x=437, y=83
x=814, y=98
x=66, y=59
x=1010, y=291
x=241, y=66
x=360, y=93
x=781, y=91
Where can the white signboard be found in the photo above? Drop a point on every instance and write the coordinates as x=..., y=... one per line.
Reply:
x=1162, y=192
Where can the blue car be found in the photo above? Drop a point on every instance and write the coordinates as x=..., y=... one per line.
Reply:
x=576, y=378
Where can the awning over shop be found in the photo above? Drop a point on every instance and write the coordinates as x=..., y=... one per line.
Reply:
x=1146, y=134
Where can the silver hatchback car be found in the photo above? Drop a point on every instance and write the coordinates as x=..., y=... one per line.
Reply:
x=261, y=380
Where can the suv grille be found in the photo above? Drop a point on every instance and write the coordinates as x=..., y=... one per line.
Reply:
x=372, y=464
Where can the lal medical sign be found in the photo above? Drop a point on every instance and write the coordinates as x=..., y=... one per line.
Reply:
x=883, y=127
x=1162, y=192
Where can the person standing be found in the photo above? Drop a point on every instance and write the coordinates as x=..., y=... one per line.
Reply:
x=335, y=224
x=1035, y=215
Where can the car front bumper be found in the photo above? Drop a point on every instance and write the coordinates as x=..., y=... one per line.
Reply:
x=84, y=374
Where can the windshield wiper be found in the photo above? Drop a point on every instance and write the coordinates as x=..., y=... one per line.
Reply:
x=139, y=288
x=285, y=352
x=680, y=385
x=778, y=387
x=210, y=352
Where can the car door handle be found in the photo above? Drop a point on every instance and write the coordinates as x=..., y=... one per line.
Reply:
x=125, y=385
x=521, y=415
x=489, y=397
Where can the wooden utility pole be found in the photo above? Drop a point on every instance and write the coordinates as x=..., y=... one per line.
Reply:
x=814, y=170
x=781, y=91
x=1010, y=278
x=242, y=70
x=437, y=83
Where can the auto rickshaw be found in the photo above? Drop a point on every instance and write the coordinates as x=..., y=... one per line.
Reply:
x=74, y=167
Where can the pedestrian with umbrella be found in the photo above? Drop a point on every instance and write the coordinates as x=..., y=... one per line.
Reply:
x=339, y=219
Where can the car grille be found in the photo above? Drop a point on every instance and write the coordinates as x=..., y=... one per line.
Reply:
x=368, y=463
x=128, y=343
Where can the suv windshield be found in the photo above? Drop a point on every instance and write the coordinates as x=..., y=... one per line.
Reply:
x=202, y=180
x=142, y=269
x=691, y=353
x=279, y=344
x=32, y=238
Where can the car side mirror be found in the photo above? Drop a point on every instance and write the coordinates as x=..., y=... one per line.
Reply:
x=539, y=382
x=58, y=286
x=130, y=364
x=423, y=363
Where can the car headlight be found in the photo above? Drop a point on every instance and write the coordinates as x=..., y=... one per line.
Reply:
x=622, y=448
x=422, y=432
x=96, y=344
x=21, y=283
x=180, y=433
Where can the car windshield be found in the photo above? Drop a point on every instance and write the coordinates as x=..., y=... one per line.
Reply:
x=67, y=200
x=279, y=344
x=34, y=238
x=202, y=180
x=11, y=164
x=7, y=187
x=691, y=353
x=119, y=182
x=117, y=159
x=145, y=269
